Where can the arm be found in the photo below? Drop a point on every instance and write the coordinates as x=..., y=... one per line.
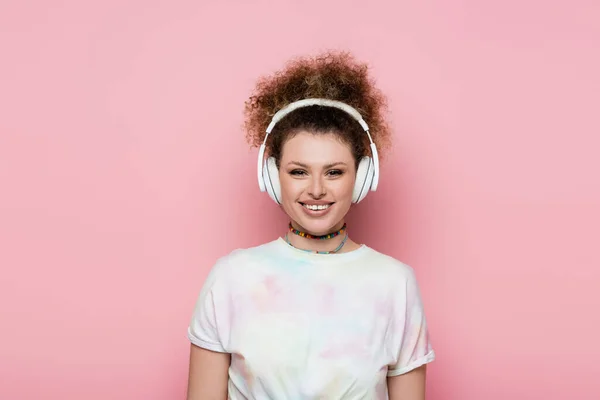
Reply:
x=409, y=386
x=208, y=374
x=406, y=378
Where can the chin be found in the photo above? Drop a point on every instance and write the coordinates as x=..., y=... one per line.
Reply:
x=317, y=226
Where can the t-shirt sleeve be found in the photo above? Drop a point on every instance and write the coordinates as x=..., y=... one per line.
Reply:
x=414, y=349
x=203, y=330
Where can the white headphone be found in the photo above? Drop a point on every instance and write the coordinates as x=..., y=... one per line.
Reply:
x=367, y=173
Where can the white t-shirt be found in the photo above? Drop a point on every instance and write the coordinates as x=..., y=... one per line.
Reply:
x=302, y=325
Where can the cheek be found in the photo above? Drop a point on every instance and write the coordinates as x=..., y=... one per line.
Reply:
x=345, y=188
x=290, y=188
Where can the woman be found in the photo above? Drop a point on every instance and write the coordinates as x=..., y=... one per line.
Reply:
x=312, y=314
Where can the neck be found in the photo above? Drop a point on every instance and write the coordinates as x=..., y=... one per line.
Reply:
x=320, y=245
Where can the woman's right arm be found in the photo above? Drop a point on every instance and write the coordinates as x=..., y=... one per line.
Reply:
x=208, y=374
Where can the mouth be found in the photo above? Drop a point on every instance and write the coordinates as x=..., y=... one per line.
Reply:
x=316, y=208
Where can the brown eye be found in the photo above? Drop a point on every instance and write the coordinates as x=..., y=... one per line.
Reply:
x=297, y=172
x=335, y=172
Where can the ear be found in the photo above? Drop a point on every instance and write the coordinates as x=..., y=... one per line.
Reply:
x=364, y=179
x=271, y=173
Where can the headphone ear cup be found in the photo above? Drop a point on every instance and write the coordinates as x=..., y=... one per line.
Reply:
x=271, y=178
x=364, y=179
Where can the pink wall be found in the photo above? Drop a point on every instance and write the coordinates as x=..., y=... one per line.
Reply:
x=124, y=175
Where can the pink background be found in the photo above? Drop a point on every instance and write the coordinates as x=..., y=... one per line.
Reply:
x=124, y=174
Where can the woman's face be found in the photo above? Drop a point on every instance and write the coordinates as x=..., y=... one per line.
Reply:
x=317, y=173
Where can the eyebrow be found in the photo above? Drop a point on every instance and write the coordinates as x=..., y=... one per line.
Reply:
x=325, y=166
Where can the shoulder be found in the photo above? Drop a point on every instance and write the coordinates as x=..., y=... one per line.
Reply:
x=249, y=254
x=241, y=258
x=396, y=279
x=388, y=265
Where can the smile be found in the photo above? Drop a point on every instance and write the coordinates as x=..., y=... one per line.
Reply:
x=315, y=207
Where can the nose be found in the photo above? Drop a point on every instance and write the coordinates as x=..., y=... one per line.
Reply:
x=317, y=188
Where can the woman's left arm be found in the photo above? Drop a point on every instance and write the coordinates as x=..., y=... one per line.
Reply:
x=408, y=386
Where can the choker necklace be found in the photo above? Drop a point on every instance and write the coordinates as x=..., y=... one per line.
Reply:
x=322, y=237
x=319, y=252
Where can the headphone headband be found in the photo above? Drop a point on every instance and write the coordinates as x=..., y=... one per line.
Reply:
x=317, y=102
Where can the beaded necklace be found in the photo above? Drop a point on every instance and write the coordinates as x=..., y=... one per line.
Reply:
x=322, y=237
x=319, y=252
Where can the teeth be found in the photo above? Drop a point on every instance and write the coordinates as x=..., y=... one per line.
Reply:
x=317, y=207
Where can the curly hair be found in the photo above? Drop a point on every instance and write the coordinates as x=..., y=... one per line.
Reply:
x=331, y=75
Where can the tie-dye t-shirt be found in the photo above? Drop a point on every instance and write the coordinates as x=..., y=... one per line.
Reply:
x=301, y=325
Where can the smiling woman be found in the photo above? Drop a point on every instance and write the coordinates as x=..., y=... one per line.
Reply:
x=312, y=314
